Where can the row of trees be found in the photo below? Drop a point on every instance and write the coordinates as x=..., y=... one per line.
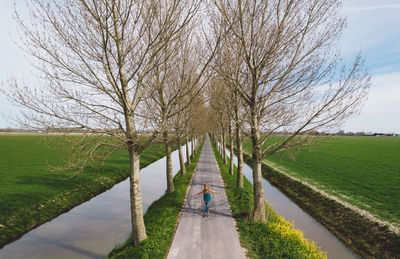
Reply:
x=131, y=70
x=277, y=70
x=142, y=71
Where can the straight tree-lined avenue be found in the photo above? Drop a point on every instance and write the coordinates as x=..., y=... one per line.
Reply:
x=214, y=236
x=123, y=75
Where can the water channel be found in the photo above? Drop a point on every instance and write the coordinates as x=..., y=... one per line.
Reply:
x=308, y=225
x=92, y=229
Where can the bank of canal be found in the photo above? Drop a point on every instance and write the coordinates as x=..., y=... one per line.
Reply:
x=308, y=225
x=92, y=229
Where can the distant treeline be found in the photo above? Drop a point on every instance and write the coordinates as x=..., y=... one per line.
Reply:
x=342, y=133
x=315, y=133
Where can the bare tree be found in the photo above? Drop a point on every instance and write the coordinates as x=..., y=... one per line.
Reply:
x=231, y=102
x=200, y=123
x=238, y=118
x=218, y=102
x=183, y=124
x=195, y=119
x=94, y=59
x=290, y=79
x=180, y=129
x=222, y=105
x=176, y=82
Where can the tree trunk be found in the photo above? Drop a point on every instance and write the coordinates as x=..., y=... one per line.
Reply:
x=195, y=144
x=239, y=182
x=259, y=203
x=258, y=191
x=220, y=145
x=138, y=228
x=192, y=148
x=181, y=159
x=224, y=147
x=230, y=150
x=170, y=178
x=187, y=151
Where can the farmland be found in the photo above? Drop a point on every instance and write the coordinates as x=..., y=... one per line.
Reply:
x=362, y=171
x=30, y=193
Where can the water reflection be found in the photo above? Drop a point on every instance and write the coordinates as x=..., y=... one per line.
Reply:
x=292, y=212
x=92, y=229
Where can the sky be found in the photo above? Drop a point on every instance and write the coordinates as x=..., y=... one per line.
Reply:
x=373, y=27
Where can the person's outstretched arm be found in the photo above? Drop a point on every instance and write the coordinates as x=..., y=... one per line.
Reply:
x=214, y=191
x=199, y=192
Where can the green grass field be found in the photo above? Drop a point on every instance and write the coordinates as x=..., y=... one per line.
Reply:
x=363, y=171
x=30, y=193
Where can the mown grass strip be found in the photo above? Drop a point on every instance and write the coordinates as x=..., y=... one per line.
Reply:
x=160, y=220
x=275, y=239
x=365, y=237
x=30, y=194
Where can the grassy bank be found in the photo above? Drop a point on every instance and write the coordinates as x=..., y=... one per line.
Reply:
x=277, y=238
x=160, y=220
x=30, y=194
x=362, y=171
x=364, y=236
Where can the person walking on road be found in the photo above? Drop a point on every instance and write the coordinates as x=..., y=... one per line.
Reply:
x=206, y=197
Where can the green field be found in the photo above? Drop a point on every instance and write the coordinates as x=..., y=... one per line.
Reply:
x=363, y=171
x=30, y=193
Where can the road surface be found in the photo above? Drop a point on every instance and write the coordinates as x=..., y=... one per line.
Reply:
x=215, y=236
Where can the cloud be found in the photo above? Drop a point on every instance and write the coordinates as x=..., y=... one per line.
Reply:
x=369, y=5
x=373, y=28
x=380, y=112
x=370, y=8
x=13, y=61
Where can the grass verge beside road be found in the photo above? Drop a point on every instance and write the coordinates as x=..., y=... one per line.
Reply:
x=275, y=239
x=160, y=220
x=30, y=194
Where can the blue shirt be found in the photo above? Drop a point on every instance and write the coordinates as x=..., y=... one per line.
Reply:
x=207, y=196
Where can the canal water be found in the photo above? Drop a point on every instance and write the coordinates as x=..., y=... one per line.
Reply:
x=308, y=225
x=92, y=229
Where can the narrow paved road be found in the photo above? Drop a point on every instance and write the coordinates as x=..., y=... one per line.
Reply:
x=214, y=236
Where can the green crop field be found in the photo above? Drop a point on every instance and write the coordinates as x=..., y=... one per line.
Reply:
x=28, y=185
x=25, y=178
x=363, y=171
